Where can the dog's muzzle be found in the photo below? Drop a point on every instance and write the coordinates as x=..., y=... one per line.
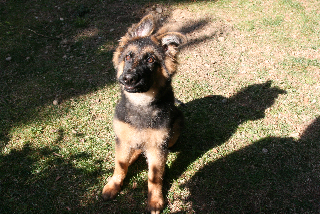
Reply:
x=130, y=81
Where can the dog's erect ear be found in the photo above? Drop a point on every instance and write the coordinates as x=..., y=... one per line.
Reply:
x=170, y=41
x=144, y=28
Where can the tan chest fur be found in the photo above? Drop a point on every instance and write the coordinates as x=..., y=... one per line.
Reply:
x=139, y=139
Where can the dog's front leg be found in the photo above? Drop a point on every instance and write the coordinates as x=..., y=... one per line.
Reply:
x=123, y=154
x=156, y=163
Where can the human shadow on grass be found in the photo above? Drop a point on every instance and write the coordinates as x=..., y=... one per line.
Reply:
x=212, y=120
x=273, y=175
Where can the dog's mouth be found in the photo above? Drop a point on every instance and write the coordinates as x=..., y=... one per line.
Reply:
x=133, y=86
x=139, y=87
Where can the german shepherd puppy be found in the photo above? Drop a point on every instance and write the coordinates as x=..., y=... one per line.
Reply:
x=146, y=119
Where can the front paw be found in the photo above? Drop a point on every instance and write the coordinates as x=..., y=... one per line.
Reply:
x=155, y=205
x=110, y=190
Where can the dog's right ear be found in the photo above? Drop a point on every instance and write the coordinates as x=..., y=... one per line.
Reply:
x=171, y=41
x=144, y=28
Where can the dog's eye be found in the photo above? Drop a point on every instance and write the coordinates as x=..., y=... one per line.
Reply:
x=150, y=60
x=128, y=57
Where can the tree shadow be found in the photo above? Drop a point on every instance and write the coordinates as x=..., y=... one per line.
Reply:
x=37, y=180
x=273, y=175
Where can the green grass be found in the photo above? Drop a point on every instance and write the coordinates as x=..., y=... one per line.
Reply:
x=249, y=78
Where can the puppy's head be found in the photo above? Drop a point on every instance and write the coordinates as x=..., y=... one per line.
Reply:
x=146, y=60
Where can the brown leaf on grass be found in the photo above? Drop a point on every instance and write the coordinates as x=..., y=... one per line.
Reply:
x=214, y=150
x=134, y=185
x=56, y=154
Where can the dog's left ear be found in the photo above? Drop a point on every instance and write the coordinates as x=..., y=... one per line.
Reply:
x=171, y=41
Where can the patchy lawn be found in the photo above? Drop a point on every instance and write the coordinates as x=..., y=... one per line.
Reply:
x=249, y=76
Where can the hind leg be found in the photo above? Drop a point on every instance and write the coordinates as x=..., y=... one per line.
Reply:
x=176, y=130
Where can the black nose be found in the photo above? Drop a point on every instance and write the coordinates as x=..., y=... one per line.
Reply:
x=129, y=78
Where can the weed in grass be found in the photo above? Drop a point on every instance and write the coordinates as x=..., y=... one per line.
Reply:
x=249, y=25
x=299, y=62
x=272, y=22
x=292, y=3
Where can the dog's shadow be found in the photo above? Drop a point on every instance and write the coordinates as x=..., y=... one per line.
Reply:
x=212, y=120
